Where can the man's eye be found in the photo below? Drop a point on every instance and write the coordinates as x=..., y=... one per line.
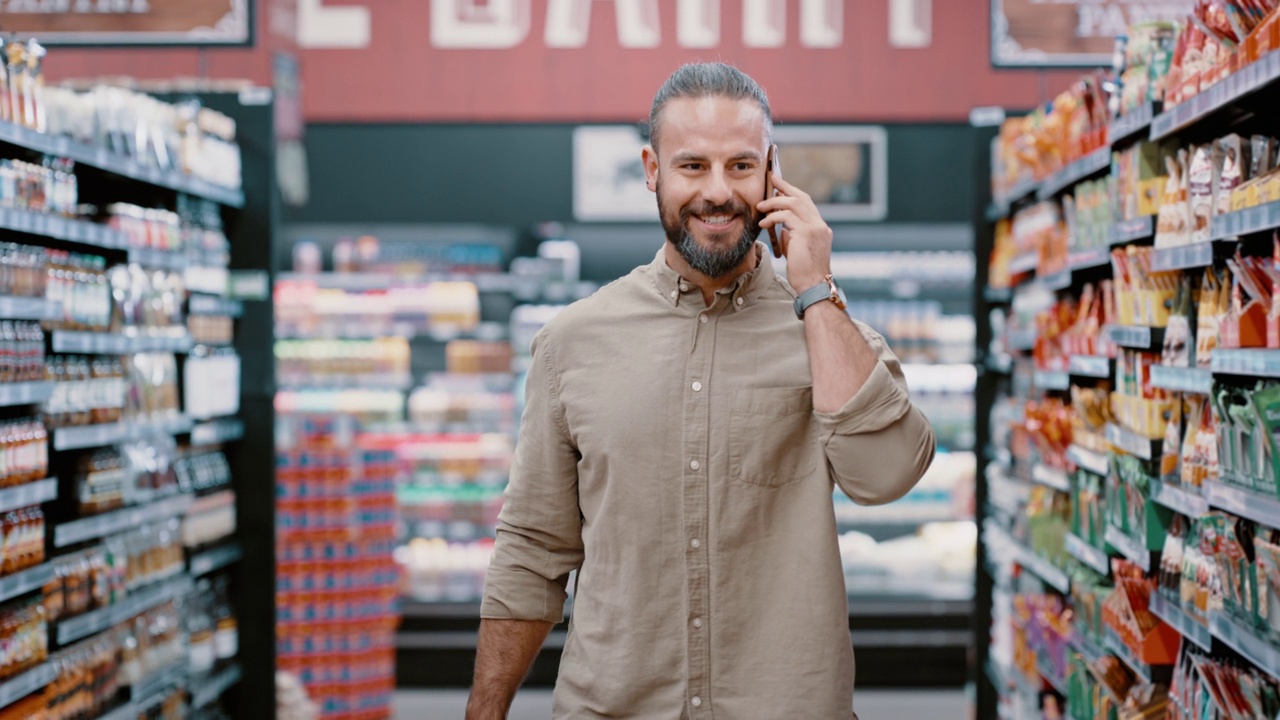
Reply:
x=692, y=166
x=742, y=166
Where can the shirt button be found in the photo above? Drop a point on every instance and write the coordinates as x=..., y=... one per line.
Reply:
x=697, y=622
x=697, y=386
x=694, y=465
x=675, y=294
x=702, y=318
x=696, y=701
x=695, y=543
x=740, y=301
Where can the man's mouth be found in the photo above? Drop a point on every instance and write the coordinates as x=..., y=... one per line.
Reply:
x=716, y=223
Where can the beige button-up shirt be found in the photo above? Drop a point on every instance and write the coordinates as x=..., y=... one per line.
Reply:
x=670, y=452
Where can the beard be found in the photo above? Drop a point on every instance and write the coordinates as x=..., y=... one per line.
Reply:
x=717, y=259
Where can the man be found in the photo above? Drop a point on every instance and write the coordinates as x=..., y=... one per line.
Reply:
x=681, y=438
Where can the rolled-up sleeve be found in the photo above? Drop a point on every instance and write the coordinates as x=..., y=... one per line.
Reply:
x=539, y=533
x=878, y=444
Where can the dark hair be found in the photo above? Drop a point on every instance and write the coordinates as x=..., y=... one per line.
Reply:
x=698, y=80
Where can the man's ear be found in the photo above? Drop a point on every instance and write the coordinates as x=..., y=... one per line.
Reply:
x=649, y=157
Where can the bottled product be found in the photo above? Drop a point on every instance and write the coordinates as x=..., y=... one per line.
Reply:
x=24, y=636
x=24, y=452
x=101, y=482
x=23, y=539
x=22, y=270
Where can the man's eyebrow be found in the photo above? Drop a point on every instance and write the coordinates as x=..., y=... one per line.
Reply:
x=694, y=157
x=745, y=156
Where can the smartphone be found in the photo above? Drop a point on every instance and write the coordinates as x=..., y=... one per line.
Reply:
x=770, y=165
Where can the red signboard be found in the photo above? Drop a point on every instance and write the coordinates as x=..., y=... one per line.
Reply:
x=602, y=60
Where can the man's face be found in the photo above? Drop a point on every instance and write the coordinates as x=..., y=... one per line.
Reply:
x=708, y=178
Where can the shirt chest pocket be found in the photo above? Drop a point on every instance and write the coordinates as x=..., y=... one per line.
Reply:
x=772, y=440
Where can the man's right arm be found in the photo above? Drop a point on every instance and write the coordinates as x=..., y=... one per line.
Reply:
x=538, y=543
x=504, y=654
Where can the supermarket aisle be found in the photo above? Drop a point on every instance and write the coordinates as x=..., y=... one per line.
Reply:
x=536, y=705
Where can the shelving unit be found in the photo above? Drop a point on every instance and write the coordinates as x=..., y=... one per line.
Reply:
x=248, y=215
x=1244, y=97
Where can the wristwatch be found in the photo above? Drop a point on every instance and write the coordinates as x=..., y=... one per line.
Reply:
x=826, y=290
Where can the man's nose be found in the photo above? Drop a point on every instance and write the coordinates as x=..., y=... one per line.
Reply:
x=716, y=190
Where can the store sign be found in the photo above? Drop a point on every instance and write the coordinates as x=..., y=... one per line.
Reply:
x=130, y=22
x=1070, y=33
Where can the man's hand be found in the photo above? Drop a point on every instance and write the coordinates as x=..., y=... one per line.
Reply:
x=806, y=239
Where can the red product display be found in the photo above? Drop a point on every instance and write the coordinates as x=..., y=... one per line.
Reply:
x=337, y=586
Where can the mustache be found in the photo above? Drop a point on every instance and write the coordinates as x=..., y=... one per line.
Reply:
x=729, y=208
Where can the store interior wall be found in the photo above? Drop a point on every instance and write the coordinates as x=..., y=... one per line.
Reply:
x=519, y=176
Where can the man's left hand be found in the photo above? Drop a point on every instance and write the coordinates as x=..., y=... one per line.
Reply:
x=806, y=239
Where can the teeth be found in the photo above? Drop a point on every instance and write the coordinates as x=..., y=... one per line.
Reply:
x=717, y=219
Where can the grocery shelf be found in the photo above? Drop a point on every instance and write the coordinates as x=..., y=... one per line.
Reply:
x=1094, y=462
x=29, y=308
x=1094, y=366
x=1183, y=257
x=1135, y=230
x=1188, y=380
x=1138, y=337
x=158, y=259
x=1082, y=169
x=217, y=685
x=1003, y=205
x=216, y=432
x=1132, y=443
x=1187, y=626
x=28, y=494
x=1002, y=364
x=213, y=305
x=1089, y=258
x=1090, y=556
x=1131, y=549
x=101, y=343
x=25, y=581
x=1179, y=499
x=1052, y=380
x=148, y=691
x=1117, y=647
x=1136, y=122
x=1250, y=505
x=117, y=164
x=1256, y=650
x=997, y=295
x=1230, y=89
x=340, y=382
x=91, y=528
x=1042, y=568
x=136, y=603
x=1060, y=280
x=127, y=711
x=57, y=227
x=27, y=683
x=1086, y=647
x=1024, y=263
x=215, y=559
x=25, y=393
x=1256, y=219
x=1258, y=362
x=1022, y=339
x=89, y=436
x=1051, y=477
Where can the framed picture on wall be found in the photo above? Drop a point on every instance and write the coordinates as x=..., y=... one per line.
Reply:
x=845, y=168
x=608, y=175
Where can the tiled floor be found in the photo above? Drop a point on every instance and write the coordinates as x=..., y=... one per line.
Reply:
x=536, y=705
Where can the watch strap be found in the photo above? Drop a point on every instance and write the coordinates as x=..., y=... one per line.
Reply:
x=811, y=297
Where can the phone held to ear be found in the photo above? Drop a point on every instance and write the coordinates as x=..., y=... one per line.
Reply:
x=771, y=164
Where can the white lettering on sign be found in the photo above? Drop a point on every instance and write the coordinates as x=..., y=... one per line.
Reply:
x=910, y=23
x=494, y=25
x=764, y=23
x=568, y=23
x=1102, y=19
x=698, y=23
x=346, y=26
x=58, y=7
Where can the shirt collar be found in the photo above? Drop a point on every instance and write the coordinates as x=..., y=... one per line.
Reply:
x=742, y=292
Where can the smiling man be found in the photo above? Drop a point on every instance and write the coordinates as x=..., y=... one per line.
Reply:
x=683, y=433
